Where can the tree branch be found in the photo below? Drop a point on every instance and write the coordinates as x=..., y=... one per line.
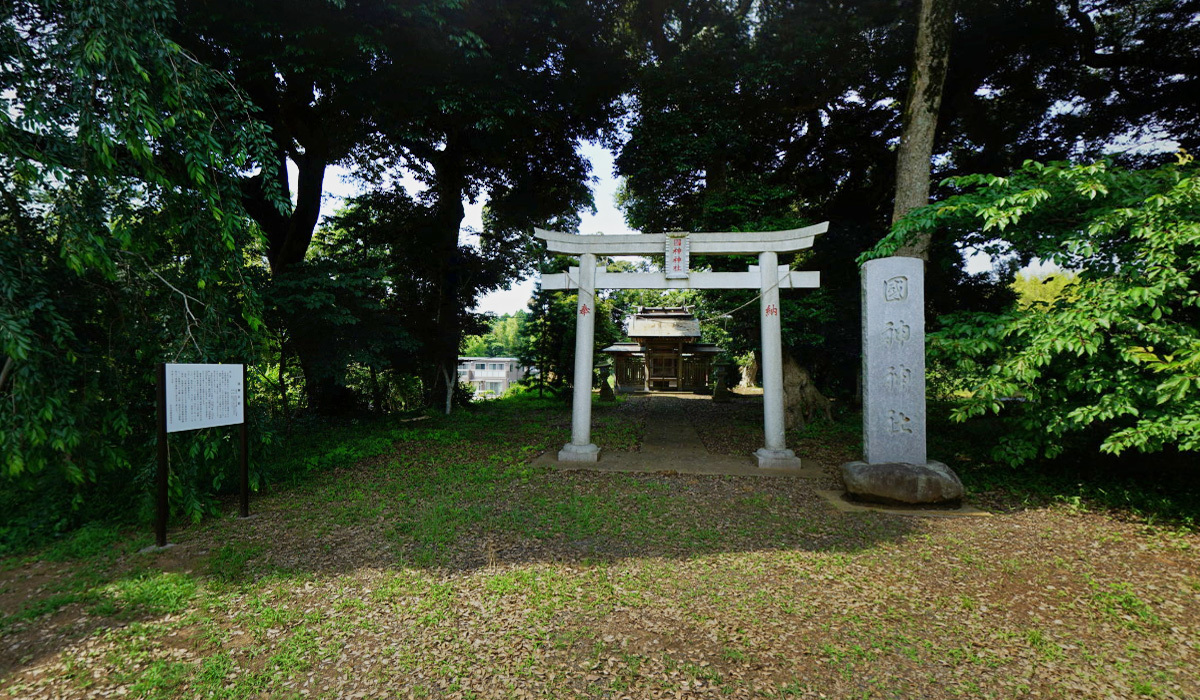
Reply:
x=8, y=365
x=1087, y=42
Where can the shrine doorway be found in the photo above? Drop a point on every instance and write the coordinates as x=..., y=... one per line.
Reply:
x=665, y=352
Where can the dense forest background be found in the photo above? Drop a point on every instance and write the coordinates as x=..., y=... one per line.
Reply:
x=163, y=166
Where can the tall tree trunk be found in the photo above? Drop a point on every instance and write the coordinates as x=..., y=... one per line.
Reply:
x=930, y=60
x=447, y=220
x=289, y=235
x=450, y=384
x=283, y=392
x=289, y=246
x=8, y=365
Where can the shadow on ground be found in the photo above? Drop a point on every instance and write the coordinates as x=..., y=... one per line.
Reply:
x=455, y=494
x=449, y=565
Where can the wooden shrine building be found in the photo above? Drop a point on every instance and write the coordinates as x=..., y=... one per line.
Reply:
x=665, y=353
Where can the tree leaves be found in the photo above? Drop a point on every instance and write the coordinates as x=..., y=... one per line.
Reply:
x=1120, y=355
x=122, y=240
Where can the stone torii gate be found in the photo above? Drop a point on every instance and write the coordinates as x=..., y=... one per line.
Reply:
x=768, y=277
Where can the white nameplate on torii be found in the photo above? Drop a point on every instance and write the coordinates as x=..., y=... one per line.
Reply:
x=750, y=279
x=677, y=259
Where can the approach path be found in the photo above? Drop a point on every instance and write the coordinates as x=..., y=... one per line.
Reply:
x=671, y=444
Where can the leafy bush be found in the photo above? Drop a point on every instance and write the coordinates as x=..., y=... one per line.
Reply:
x=122, y=244
x=1115, y=364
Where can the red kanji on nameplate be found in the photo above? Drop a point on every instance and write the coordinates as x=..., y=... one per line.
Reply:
x=584, y=310
x=772, y=310
x=677, y=250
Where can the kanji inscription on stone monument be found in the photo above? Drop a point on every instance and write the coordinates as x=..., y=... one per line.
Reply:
x=896, y=288
x=893, y=361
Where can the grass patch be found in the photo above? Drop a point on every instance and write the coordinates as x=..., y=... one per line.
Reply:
x=1121, y=604
x=447, y=565
x=228, y=562
x=162, y=680
x=146, y=594
x=88, y=542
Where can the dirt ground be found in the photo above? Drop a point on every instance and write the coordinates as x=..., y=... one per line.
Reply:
x=412, y=576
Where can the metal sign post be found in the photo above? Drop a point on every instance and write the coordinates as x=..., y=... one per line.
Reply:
x=160, y=519
x=244, y=510
x=190, y=397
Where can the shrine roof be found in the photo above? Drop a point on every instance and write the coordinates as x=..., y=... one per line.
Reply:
x=664, y=311
x=664, y=322
x=688, y=348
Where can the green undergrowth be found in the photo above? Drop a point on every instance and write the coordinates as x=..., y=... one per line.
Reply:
x=1154, y=489
x=314, y=445
x=844, y=432
x=434, y=478
x=452, y=490
x=106, y=583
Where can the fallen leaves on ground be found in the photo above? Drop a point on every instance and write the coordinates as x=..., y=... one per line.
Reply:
x=450, y=568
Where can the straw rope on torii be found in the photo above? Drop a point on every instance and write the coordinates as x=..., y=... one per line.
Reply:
x=768, y=277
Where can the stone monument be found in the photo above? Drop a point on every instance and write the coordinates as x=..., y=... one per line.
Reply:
x=895, y=467
x=721, y=392
x=606, y=390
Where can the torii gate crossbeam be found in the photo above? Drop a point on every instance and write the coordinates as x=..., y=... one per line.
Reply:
x=768, y=276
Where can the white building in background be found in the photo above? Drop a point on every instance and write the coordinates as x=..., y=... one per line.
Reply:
x=489, y=376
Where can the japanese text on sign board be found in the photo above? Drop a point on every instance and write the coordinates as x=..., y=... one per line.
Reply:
x=203, y=396
x=677, y=254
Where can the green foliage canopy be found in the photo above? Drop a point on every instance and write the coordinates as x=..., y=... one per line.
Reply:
x=503, y=338
x=753, y=116
x=1042, y=289
x=1117, y=361
x=121, y=233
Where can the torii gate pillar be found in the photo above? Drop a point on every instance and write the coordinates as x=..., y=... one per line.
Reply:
x=775, y=454
x=581, y=448
x=768, y=277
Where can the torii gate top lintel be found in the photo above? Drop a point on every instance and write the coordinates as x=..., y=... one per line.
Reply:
x=731, y=243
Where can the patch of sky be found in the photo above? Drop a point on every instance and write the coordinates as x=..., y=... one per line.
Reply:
x=341, y=184
x=607, y=219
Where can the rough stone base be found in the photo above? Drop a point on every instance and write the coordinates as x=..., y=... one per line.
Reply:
x=841, y=502
x=777, y=459
x=579, y=453
x=932, y=483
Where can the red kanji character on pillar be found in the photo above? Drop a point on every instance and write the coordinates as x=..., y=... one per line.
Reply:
x=772, y=310
x=584, y=310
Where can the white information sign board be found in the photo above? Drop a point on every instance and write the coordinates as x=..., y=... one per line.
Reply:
x=203, y=396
